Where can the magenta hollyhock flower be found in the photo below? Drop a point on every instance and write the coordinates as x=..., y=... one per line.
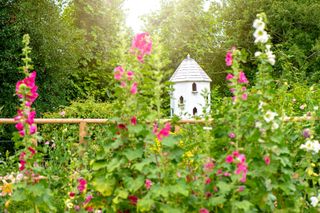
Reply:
x=241, y=168
x=27, y=88
x=242, y=158
x=203, y=210
x=130, y=75
x=133, y=120
x=267, y=160
x=229, y=76
x=231, y=135
x=19, y=126
x=30, y=117
x=148, y=184
x=235, y=154
x=141, y=45
x=229, y=159
x=118, y=72
x=133, y=89
x=242, y=78
x=82, y=184
x=133, y=200
x=228, y=58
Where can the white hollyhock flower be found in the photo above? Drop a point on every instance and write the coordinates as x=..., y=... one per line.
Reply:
x=261, y=36
x=269, y=116
x=259, y=24
x=315, y=146
x=271, y=57
x=275, y=125
x=257, y=54
x=314, y=201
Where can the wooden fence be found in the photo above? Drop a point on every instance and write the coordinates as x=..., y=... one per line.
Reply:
x=82, y=122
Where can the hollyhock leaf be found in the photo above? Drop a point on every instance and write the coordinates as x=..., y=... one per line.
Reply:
x=133, y=154
x=97, y=165
x=169, y=141
x=134, y=185
x=135, y=129
x=145, y=204
x=245, y=205
x=114, y=164
x=214, y=201
x=224, y=188
x=169, y=209
x=104, y=185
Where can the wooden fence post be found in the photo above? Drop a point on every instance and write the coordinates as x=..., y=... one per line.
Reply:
x=82, y=131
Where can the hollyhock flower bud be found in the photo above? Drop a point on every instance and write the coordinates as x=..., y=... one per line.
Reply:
x=207, y=181
x=229, y=77
x=130, y=75
x=204, y=210
x=306, y=133
x=244, y=96
x=133, y=200
x=133, y=120
x=231, y=135
x=133, y=89
x=228, y=58
x=267, y=160
x=148, y=184
x=229, y=159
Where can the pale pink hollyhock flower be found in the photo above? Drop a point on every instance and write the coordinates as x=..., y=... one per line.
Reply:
x=118, y=72
x=130, y=75
x=133, y=120
x=47, y=143
x=228, y=58
x=226, y=174
x=244, y=96
x=133, y=89
x=231, y=135
x=123, y=84
x=244, y=89
x=148, y=184
x=229, y=159
x=229, y=76
x=267, y=160
x=242, y=158
x=141, y=45
x=242, y=78
x=203, y=210
x=208, y=167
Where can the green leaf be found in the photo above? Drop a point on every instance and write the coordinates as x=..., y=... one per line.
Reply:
x=133, y=154
x=139, y=166
x=134, y=184
x=224, y=188
x=169, y=141
x=97, y=165
x=214, y=201
x=179, y=189
x=145, y=204
x=114, y=163
x=170, y=209
x=104, y=185
x=245, y=205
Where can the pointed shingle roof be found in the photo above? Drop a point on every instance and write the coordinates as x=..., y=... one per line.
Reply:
x=189, y=70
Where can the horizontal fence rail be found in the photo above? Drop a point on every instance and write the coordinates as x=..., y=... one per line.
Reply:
x=84, y=121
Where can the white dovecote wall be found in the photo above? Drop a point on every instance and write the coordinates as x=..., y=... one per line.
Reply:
x=189, y=82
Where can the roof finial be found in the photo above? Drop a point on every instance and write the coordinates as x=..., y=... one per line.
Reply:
x=188, y=56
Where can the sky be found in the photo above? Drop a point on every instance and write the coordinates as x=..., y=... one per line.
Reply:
x=137, y=8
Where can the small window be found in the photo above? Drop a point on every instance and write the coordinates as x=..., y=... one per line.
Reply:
x=195, y=111
x=194, y=87
x=181, y=100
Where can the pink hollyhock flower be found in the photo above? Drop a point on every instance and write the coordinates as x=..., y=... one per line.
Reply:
x=235, y=154
x=241, y=188
x=207, y=181
x=141, y=45
x=130, y=75
x=232, y=90
x=133, y=120
x=22, y=165
x=148, y=183
x=219, y=172
x=229, y=159
x=26, y=88
x=164, y=132
x=33, y=129
x=118, y=72
x=231, y=135
x=133, y=200
x=242, y=78
x=244, y=89
x=77, y=208
x=244, y=96
x=203, y=210
x=31, y=116
x=229, y=76
x=243, y=179
x=133, y=89
x=241, y=169
x=22, y=133
x=208, y=167
x=228, y=58
x=267, y=160
x=88, y=199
